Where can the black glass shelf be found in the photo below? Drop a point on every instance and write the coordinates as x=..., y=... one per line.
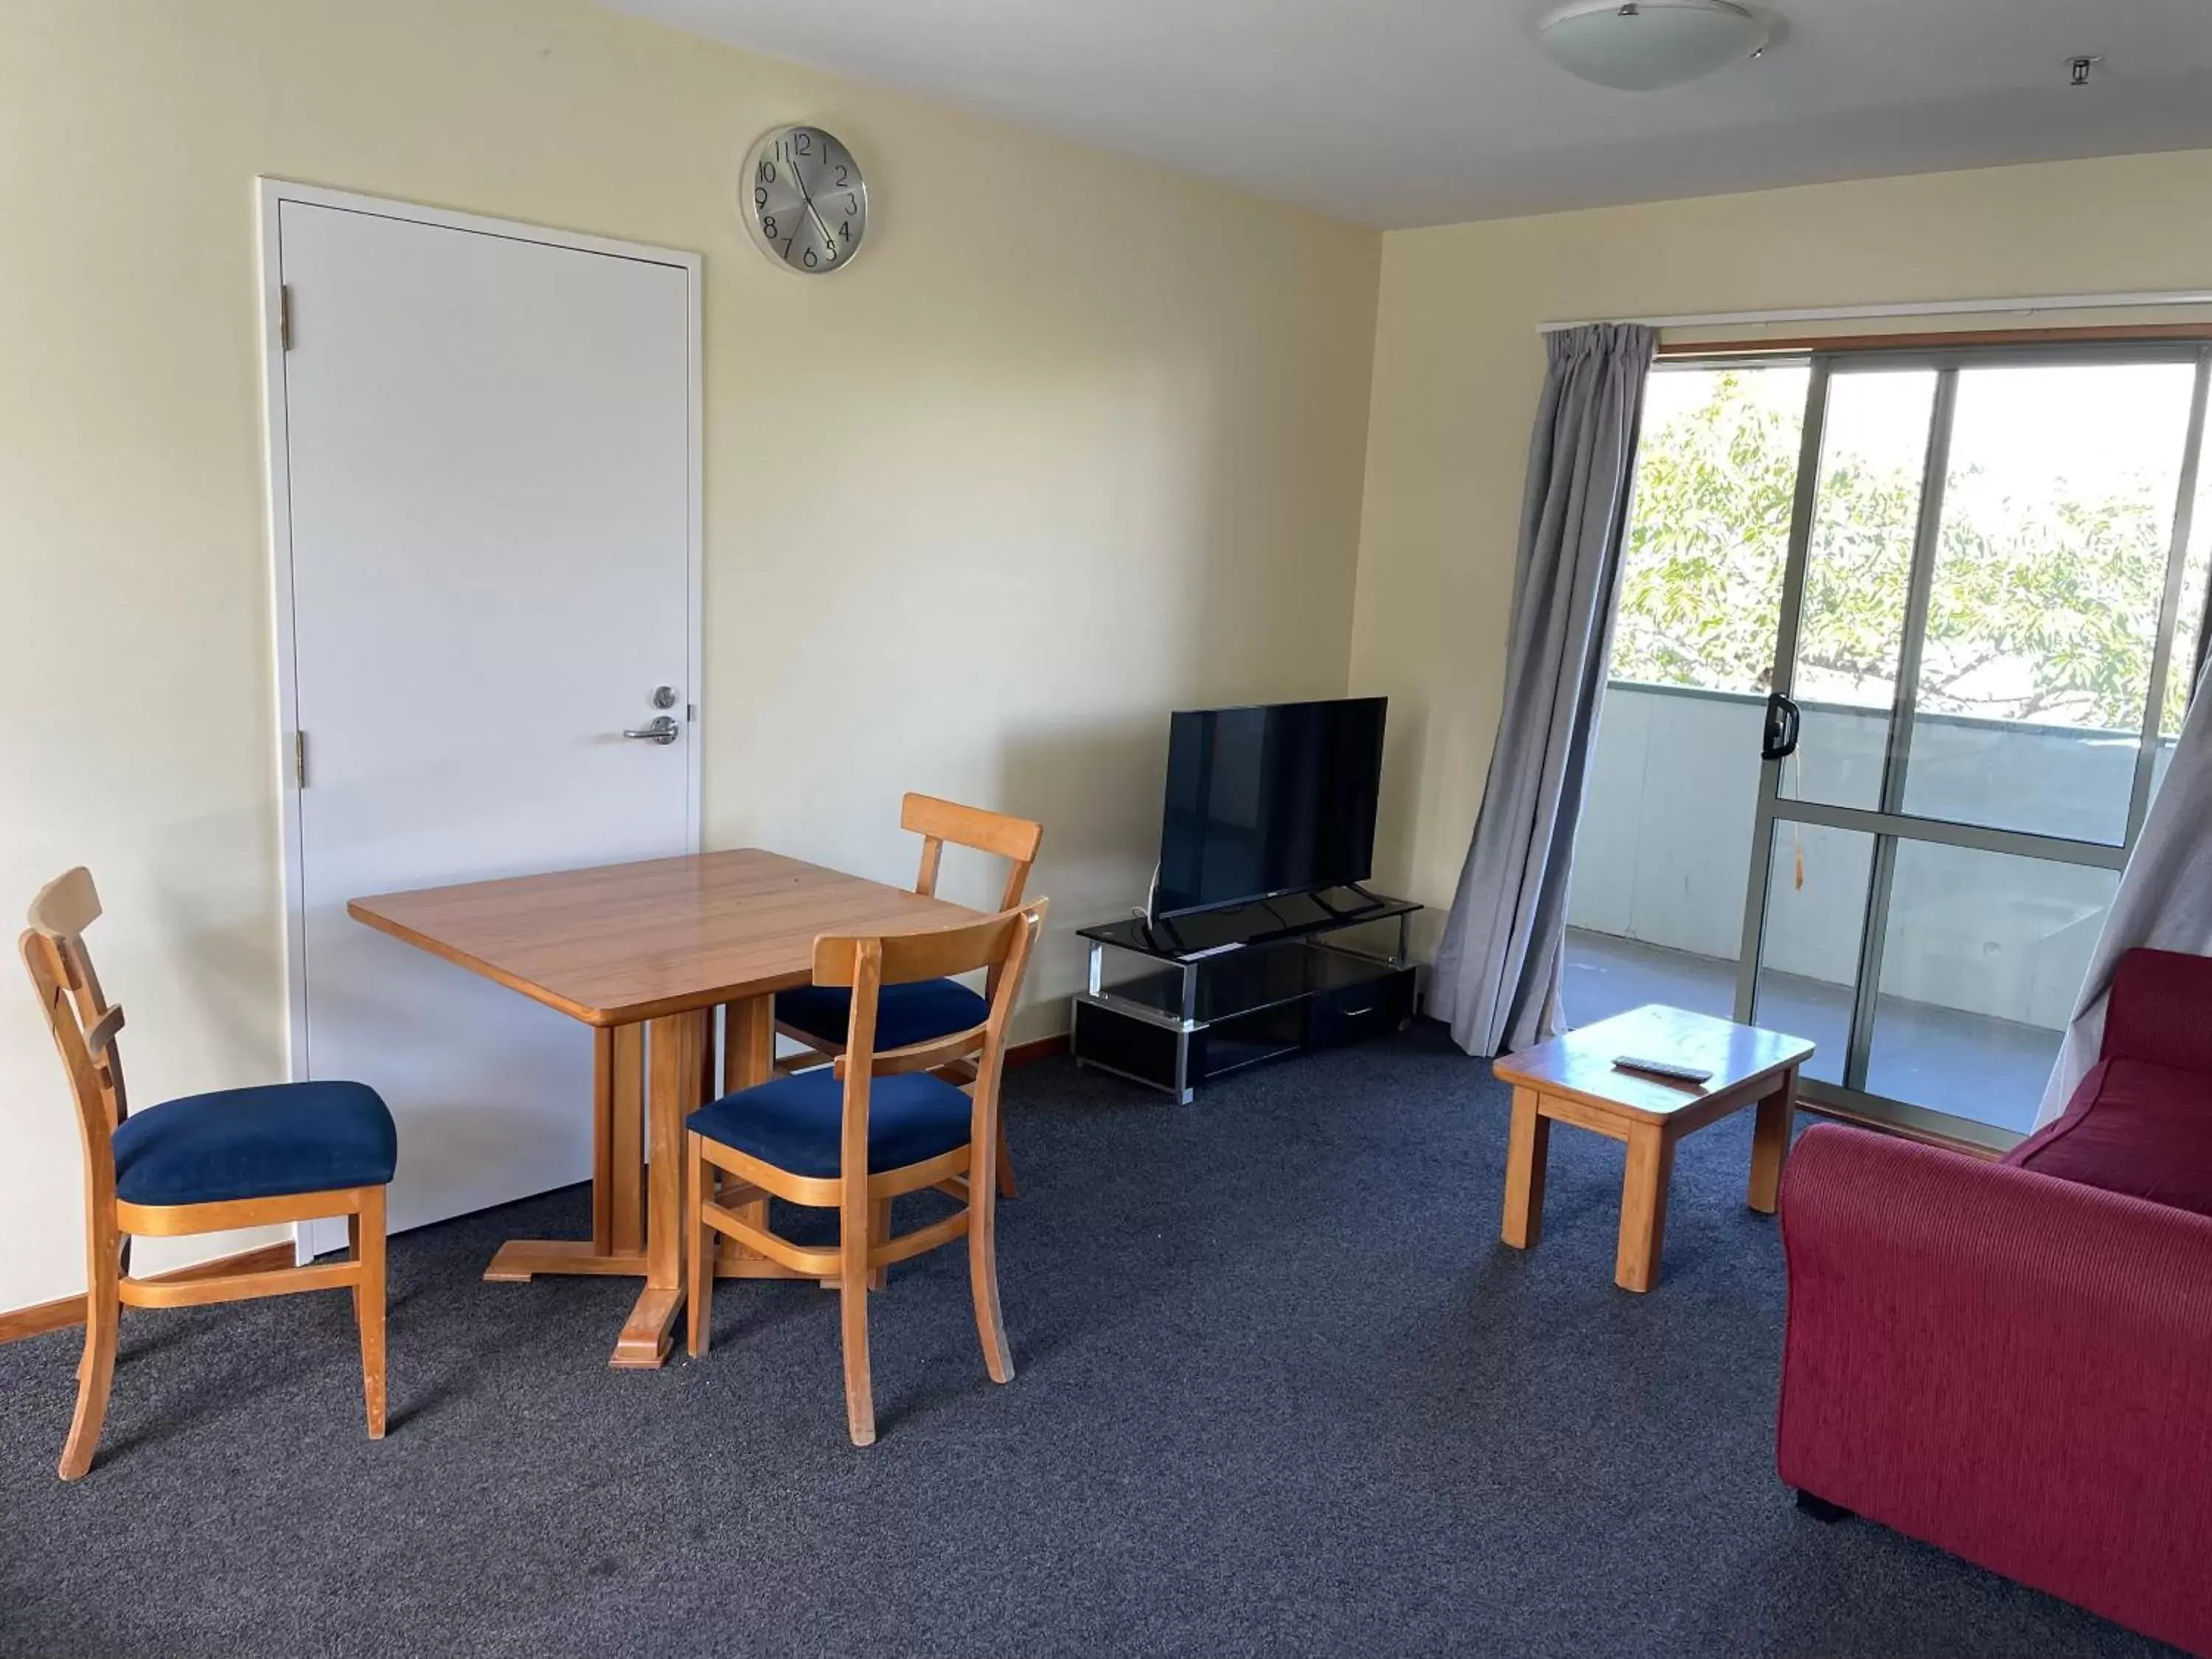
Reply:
x=1273, y=922
x=1249, y=984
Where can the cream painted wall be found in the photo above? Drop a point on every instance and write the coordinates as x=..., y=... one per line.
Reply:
x=1458, y=366
x=1076, y=441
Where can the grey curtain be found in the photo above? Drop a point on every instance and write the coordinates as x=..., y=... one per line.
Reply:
x=1498, y=970
x=2165, y=896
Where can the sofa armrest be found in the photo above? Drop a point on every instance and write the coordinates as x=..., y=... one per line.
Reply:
x=2014, y=1367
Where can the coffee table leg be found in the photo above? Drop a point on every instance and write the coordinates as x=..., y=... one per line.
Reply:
x=1770, y=1143
x=676, y=1064
x=1644, y=1207
x=1526, y=1151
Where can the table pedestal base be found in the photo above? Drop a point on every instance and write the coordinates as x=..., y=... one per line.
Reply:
x=645, y=1086
x=520, y=1260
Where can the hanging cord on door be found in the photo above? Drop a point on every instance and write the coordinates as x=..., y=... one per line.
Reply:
x=1796, y=783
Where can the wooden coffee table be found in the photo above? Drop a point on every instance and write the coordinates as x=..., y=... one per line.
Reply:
x=1572, y=1078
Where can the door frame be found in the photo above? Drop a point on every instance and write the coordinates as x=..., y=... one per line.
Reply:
x=1889, y=825
x=272, y=193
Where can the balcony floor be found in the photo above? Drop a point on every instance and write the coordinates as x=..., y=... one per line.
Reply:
x=1968, y=1065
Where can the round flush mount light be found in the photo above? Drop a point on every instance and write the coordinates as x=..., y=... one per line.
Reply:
x=1640, y=46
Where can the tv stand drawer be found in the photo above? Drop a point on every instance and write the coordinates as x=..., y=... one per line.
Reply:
x=1352, y=1013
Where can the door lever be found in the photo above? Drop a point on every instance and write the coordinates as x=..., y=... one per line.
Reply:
x=1784, y=721
x=663, y=730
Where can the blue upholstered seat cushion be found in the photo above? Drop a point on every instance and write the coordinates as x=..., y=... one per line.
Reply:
x=796, y=1123
x=255, y=1143
x=904, y=1013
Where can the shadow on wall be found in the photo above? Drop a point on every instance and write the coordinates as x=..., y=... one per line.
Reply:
x=222, y=952
x=1094, y=785
x=1404, y=743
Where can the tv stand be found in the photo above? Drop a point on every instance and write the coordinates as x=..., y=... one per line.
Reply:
x=1219, y=990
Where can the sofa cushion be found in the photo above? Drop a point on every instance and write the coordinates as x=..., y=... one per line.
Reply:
x=2160, y=1008
x=2133, y=1127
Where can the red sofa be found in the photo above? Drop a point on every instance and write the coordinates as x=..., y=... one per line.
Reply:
x=2013, y=1361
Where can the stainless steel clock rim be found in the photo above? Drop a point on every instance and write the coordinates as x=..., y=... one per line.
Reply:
x=754, y=228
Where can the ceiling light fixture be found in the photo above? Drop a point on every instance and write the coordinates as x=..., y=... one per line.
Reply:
x=1640, y=46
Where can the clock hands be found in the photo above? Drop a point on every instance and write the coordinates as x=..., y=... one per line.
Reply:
x=815, y=213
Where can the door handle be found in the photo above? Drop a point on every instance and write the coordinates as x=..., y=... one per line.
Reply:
x=1783, y=721
x=663, y=730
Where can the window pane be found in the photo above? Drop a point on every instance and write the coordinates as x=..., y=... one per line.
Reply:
x=1851, y=628
x=1663, y=850
x=1981, y=965
x=1709, y=529
x=1808, y=952
x=2043, y=610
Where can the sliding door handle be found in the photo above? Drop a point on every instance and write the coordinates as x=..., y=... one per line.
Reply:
x=1783, y=721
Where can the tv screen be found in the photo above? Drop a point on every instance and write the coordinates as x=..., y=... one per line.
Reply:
x=1276, y=799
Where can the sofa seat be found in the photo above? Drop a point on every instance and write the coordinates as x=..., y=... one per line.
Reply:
x=2133, y=1127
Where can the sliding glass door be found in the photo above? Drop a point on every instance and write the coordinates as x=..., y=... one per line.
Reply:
x=1903, y=643
x=1991, y=612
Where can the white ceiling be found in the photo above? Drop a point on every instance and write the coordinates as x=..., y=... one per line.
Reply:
x=1396, y=112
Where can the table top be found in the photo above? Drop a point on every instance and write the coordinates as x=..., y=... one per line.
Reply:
x=1580, y=1062
x=622, y=943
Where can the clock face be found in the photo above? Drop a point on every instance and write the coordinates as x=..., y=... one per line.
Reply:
x=805, y=200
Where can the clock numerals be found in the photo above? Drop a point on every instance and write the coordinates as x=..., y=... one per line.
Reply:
x=809, y=202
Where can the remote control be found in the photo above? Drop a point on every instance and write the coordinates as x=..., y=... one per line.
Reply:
x=1666, y=1068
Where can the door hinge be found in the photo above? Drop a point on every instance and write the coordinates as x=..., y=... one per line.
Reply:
x=299, y=760
x=285, y=318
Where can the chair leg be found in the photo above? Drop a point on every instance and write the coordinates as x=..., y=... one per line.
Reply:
x=699, y=1259
x=879, y=1229
x=1006, y=1187
x=367, y=1230
x=853, y=1238
x=95, y=1369
x=983, y=1276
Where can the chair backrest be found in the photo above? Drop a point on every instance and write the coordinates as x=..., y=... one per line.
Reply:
x=83, y=1022
x=937, y=822
x=1002, y=946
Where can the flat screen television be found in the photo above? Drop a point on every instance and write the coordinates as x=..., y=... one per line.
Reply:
x=1275, y=798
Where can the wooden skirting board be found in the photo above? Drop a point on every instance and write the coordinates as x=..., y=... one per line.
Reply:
x=1028, y=1054
x=69, y=1310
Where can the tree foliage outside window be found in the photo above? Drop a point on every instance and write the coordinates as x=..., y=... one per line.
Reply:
x=2044, y=605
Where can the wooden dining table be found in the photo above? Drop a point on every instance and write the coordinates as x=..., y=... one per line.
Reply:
x=644, y=954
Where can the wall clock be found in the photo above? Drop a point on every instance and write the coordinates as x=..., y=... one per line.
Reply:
x=804, y=199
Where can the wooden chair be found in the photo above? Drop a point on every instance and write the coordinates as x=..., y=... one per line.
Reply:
x=240, y=1158
x=854, y=1135
x=817, y=1014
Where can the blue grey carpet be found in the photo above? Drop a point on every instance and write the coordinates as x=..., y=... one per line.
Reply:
x=1280, y=1391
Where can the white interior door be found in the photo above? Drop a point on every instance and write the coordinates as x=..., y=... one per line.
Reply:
x=487, y=444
